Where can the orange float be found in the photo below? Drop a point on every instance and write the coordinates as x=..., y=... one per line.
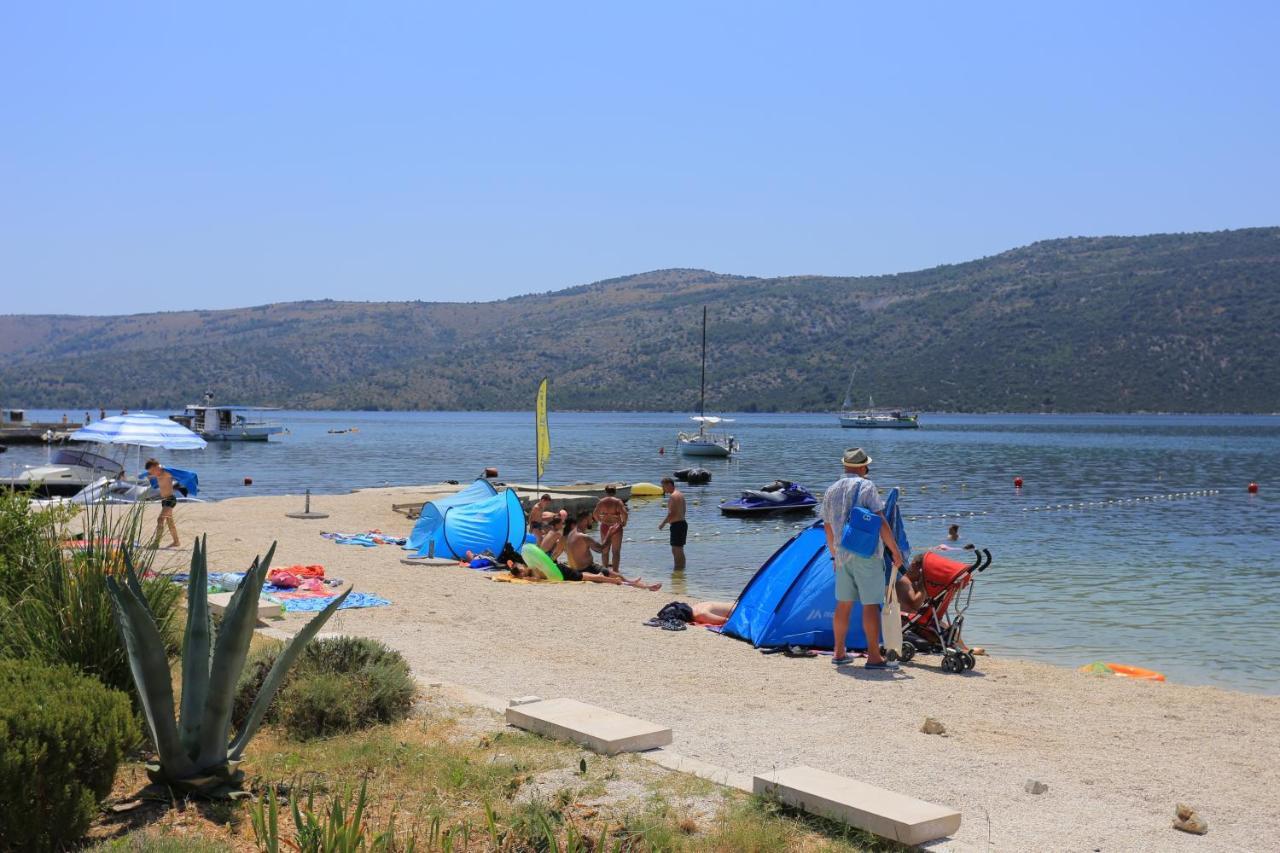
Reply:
x=1123, y=670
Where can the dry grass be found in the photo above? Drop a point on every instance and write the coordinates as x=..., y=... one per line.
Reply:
x=455, y=769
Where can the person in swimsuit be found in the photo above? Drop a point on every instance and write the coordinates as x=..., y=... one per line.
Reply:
x=537, y=523
x=168, y=500
x=578, y=550
x=556, y=533
x=611, y=513
x=675, y=518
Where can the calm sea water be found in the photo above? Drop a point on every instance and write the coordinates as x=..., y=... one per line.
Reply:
x=1133, y=538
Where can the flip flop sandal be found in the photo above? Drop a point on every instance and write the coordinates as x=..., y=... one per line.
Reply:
x=884, y=666
x=798, y=652
x=842, y=661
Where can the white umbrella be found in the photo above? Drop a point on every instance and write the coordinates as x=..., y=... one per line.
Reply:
x=141, y=429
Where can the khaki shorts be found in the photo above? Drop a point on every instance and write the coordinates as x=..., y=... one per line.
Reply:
x=859, y=578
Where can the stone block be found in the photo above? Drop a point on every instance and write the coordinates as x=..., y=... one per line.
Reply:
x=219, y=601
x=885, y=813
x=598, y=729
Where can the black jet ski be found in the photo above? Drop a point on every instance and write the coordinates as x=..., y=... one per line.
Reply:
x=693, y=476
x=777, y=497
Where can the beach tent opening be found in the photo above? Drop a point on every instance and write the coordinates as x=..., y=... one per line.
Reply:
x=791, y=599
x=478, y=518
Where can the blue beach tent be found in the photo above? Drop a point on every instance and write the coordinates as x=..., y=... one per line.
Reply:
x=478, y=518
x=791, y=599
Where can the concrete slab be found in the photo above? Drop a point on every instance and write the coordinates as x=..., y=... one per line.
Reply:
x=219, y=601
x=598, y=729
x=887, y=814
x=684, y=764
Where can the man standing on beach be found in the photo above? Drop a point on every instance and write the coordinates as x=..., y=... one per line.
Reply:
x=168, y=500
x=857, y=578
x=675, y=518
x=611, y=513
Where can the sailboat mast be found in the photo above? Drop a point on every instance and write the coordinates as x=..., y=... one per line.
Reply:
x=702, y=394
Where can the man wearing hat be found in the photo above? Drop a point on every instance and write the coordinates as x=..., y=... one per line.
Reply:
x=857, y=578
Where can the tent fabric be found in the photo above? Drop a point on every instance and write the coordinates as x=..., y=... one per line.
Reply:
x=432, y=515
x=791, y=599
x=487, y=524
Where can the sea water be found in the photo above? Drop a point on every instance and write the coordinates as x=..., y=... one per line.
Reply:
x=1133, y=538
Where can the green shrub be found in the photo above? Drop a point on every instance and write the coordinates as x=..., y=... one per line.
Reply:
x=64, y=734
x=54, y=605
x=339, y=684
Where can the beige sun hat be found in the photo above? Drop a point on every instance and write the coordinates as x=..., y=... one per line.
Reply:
x=855, y=457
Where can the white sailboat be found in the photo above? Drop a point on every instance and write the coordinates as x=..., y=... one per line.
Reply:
x=706, y=441
x=871, y=417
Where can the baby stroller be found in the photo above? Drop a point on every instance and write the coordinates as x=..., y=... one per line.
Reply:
x=928, y=630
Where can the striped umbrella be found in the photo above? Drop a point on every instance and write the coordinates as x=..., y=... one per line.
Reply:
x=141, y=429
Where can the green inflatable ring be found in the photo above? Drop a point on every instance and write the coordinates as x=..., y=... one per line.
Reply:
x=536, y=558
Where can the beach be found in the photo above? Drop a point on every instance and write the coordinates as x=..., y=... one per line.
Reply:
x=1117, y=755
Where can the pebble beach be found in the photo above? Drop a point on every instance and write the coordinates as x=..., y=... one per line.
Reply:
x=1116, y=755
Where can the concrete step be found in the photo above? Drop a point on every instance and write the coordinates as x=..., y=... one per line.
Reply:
x=219, y=601
x=598, y=729
x=887, y=814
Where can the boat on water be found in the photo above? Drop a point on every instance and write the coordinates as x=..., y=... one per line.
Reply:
x=872, y=417
x=706, y=441
x=68, y=472
x=780, y=496
x=226, y=423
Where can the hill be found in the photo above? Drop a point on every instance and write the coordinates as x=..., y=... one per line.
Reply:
x=1174, y=322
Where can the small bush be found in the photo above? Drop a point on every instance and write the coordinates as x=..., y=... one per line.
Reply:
x=54, y=605
x=339, y=684
x=64, y=734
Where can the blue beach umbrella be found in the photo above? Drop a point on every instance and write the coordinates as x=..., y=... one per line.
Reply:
x=140, y=429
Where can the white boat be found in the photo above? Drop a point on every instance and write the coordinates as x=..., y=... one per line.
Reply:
x=871, y=417
x=67, y=473
x=226, y=423
x=706, y=442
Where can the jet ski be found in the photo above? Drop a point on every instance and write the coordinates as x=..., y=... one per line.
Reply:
x=778, y=497
x=693, y=476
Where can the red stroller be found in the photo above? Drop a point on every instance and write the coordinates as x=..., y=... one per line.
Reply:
x=928, y=630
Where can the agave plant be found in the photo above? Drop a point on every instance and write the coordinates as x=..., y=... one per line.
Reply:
x=196, y=753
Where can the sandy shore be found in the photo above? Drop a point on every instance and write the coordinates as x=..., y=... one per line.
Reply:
x=1117, y=755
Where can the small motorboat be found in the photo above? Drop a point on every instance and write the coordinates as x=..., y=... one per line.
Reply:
x=778, y=497
x=693, y=476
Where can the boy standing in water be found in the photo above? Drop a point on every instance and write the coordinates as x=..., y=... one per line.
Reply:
x=675, y=518
x=168, y=500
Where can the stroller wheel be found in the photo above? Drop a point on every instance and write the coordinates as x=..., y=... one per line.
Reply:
x=949, y=663
x=908, y=651
x=967, y=661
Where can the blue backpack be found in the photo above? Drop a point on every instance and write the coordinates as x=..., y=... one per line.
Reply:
x=861, y=532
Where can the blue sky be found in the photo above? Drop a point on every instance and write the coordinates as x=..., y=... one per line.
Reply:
x=168, y=156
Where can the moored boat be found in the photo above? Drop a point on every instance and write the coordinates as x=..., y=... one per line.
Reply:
x=226, y=423
x=706, y=442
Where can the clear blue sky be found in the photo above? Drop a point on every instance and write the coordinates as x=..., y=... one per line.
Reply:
x=168, y=156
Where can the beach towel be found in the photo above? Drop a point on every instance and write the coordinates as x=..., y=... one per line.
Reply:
x=303, y=602
x=366, y=539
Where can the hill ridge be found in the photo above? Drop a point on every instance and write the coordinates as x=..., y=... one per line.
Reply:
x=1163, y=322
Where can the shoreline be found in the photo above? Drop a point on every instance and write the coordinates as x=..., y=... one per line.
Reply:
x=1116, y=754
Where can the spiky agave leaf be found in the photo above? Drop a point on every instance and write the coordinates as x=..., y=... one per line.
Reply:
x=197, y=650
x=277, y=674
x=150, y=668
x=229, y=652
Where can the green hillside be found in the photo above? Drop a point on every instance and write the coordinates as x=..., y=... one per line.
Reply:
x=1177, y=322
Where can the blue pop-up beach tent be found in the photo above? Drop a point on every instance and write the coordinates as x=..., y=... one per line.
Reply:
x=791, y=599
x=478, y=518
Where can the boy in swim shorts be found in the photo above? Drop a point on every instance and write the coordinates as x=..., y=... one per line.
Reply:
x=168, y=501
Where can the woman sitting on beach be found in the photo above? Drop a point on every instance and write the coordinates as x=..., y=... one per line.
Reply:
x=555, y=533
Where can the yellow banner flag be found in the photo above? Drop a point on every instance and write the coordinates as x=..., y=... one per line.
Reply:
x=544, y=435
